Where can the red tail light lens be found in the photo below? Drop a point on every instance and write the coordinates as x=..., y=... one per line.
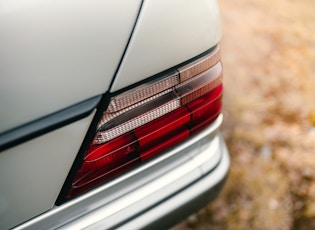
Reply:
x=151, y=118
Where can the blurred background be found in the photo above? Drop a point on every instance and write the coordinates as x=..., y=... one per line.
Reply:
x=268, y=50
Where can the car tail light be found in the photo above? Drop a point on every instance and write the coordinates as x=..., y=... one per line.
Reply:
x=144, y=121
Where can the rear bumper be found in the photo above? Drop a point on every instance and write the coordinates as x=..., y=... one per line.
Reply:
x=156, y=195
x=185, y=202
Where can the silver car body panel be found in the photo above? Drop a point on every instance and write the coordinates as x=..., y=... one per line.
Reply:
x=56, y=53
x=131, y=194
x=32, y=174
x=168, y=33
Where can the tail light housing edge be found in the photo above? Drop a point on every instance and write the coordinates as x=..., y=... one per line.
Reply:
x=144, y=121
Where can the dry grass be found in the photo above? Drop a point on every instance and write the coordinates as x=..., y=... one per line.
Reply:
x=269, y=61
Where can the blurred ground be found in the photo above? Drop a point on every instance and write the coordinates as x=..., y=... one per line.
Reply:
x=269, y=62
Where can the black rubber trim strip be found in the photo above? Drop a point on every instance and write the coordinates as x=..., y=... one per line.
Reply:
x=62, y=197
x=48, y=123
x=85, y=144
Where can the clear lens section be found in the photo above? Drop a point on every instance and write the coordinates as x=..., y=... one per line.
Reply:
x=158, y=106
x=107, y=116
x=200, y=84
x=195, y=68
x=142, y=92
x=143, y=122
x=136, y=118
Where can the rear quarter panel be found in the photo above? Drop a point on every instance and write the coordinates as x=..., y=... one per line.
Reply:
x=56, y=53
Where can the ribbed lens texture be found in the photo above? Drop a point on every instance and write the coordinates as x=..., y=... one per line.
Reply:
x=172, y=111
x=142, y=92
